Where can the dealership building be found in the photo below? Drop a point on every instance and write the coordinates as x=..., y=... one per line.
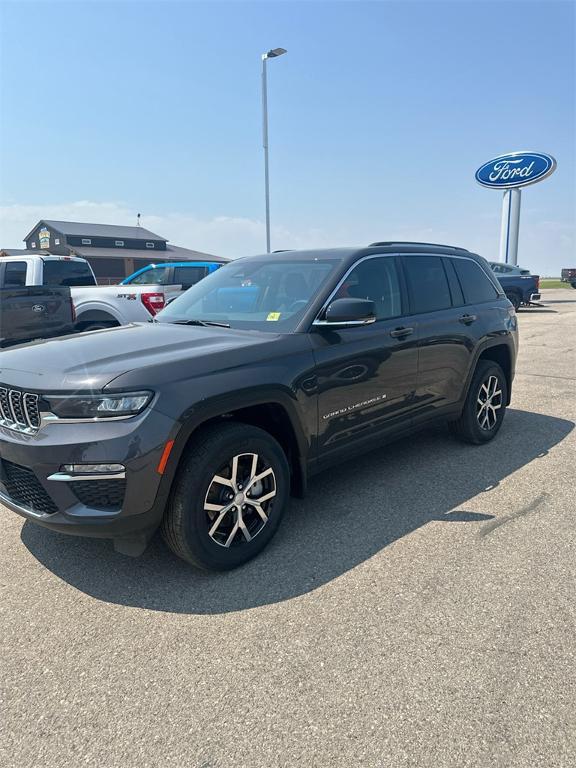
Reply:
x=114, y=252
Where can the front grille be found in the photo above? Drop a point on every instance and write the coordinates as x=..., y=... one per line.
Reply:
x=99, y=494
x=24, y=488
x=19, y=410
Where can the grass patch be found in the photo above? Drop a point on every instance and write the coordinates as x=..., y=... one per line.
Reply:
x=553, y=283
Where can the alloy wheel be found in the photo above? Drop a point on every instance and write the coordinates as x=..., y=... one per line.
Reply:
x=488, y=403
x=240, y=499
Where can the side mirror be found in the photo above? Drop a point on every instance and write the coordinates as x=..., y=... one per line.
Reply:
x=346, y=313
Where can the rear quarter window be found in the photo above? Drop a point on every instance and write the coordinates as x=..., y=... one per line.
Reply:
x=476, y=285
x=71, y=273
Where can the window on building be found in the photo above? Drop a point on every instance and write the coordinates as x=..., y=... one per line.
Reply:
x=119, y=243
x=57, y=241
x=33, y=245
x=476, y=285
x=375, y=279
x=86, y=241
x=15, y=274
x=427, y=283
x=149, y=245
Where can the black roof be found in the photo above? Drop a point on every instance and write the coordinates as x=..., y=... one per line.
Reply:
x=351, y=254
x=98, y=230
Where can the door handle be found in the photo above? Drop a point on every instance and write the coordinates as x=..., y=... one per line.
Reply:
x=399, y=333
x=468, y=319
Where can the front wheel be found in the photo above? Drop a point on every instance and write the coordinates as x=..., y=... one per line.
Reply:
x=485, y=405
x=229, y=496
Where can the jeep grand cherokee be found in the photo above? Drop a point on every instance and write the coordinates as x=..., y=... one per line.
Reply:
x=272, y=368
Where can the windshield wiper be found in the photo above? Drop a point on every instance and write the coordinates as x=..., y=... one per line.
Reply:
x=201, y=322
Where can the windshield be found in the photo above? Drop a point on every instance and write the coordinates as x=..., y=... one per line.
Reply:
x=255, y=295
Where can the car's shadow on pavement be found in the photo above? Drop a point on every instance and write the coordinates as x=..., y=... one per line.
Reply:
x=348, y=516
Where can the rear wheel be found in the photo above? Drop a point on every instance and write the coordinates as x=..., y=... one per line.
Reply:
x=485, y=405
x=515, y=299
x=229, y=497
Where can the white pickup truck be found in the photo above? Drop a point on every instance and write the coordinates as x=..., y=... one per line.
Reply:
x=96, y=306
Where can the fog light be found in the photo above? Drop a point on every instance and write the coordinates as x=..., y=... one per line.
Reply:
x=92, y=469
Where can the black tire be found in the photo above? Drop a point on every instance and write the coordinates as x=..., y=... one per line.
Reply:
x=468, y=427
x=515, y=299
x=186, y=523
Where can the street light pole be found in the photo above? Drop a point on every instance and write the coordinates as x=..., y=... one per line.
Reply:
x=272, y=54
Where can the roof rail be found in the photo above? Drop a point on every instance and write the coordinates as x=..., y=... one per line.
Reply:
x=408, y=242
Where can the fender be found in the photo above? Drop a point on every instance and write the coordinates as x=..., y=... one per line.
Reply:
x=482, y=347
x=98, y=306
x=220, y=405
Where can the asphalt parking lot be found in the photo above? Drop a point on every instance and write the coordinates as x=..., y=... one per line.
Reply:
x=417, y=609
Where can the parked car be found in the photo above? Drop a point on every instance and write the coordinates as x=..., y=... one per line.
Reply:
x=263, y=373
x=568, y=275
x=499, y=268
x=40, y=312
x=96, y=306
x=174, y=277
x=521, y=289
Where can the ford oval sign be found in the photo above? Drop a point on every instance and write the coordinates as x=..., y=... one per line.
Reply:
x=517, y=169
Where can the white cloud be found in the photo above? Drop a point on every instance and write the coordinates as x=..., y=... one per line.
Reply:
x=230, y=236
x=545, y=245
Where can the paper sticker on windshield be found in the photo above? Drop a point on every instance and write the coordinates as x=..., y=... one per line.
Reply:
x=273, y=316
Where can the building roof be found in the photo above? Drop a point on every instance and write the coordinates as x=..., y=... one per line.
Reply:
x=172, y=253
x=98, y=230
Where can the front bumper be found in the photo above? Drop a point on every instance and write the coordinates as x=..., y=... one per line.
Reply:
x=27, y=463
x=535, y=297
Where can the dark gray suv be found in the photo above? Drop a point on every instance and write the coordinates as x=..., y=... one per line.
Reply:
x=270, y=369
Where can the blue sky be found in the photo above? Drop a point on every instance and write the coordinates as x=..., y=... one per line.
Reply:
x=379, y=115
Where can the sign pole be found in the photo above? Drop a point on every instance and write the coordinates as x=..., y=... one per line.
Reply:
x=510, y=226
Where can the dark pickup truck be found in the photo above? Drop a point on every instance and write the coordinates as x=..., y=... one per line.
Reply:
x=36, y=312
x=520, y=289
x=268, y=370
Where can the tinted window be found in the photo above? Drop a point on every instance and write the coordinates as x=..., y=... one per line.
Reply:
x=108, y=268
x=427, y=283
x=15, y=275
x=157, y=276
x=187, y=276
x=377, y=280
x=476, y=285
x=67, y=273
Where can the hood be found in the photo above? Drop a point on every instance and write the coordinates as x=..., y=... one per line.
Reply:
x=90, y=361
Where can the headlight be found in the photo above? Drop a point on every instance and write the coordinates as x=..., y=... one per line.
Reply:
x=97, y=406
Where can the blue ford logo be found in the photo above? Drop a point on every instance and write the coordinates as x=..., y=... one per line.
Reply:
x=517, y=169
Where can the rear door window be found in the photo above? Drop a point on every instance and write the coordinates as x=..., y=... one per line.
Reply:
x=476, y=285
x=188, y=276
x=72, y=273
x=427, y=283
x=15, y=274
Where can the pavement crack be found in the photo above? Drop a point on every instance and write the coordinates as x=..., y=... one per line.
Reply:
x=488, y=528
